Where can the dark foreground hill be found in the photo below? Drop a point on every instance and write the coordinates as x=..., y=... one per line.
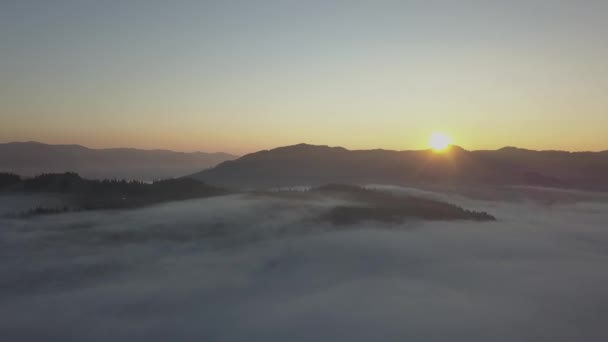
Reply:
x=86, y=194
x=359, y=204
x=315, y=165
x=374, y=205
x=33, y=158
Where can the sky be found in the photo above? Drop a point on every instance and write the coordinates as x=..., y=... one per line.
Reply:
x=240, y=76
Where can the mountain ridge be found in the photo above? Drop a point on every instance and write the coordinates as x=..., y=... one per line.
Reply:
x=32, y=158
x=306, y=164
x=38, y=143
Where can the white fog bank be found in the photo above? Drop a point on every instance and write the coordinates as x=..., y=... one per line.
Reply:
x=242, y=268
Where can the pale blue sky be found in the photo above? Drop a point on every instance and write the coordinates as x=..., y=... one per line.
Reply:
x=244, y=75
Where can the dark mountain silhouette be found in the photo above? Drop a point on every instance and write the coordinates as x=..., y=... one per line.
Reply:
x=33, y=158
x=8, y=180
x=315, y=165
x=79, y=194
x=87, y=194
x=374, y=205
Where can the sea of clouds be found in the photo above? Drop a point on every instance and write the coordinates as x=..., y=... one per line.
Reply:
x=257, y=268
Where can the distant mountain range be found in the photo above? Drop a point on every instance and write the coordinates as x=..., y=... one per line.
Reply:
x=314, y=165
x=33, y=158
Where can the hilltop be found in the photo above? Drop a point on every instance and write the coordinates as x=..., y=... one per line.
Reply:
x=312, y=165
x=33, y=158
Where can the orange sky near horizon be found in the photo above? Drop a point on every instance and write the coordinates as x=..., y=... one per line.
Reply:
x=243, y=76
x=393, y=137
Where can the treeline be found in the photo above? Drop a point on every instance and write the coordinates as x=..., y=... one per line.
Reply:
x=9, y=180
x=109, y=193
x=383, y=206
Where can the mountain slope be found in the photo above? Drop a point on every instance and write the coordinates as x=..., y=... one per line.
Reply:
x=313, y=165
x=31, y=158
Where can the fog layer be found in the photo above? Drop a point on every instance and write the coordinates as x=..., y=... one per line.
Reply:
x=248, y=268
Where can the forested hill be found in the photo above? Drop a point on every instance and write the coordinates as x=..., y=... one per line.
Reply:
x=108, y=194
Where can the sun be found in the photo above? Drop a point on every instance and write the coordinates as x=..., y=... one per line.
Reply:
x=440, y=141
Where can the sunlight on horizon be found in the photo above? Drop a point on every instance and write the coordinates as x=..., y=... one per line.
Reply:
x=439, y=141
x=228, y=76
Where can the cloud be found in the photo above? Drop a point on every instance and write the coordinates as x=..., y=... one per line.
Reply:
x=242, y=268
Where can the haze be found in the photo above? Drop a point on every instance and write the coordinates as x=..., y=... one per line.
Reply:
x=240, y=76
x=243, y=268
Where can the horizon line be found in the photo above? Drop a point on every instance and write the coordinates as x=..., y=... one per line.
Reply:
x=293, y=145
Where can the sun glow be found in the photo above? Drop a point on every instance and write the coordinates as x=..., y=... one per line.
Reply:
x=440, y=141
